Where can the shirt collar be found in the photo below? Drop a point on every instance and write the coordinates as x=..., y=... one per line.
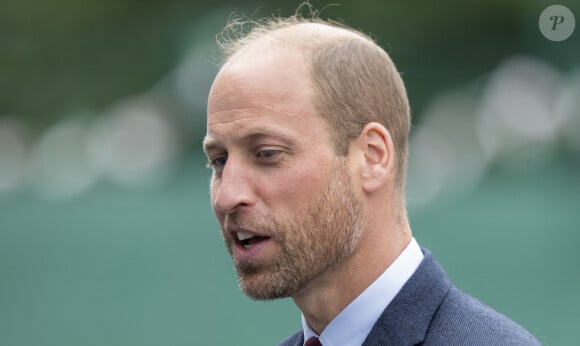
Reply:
x=352, y=325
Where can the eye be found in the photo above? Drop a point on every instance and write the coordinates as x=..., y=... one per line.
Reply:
x=217, y=163
x=268, y=153
x=270, y=157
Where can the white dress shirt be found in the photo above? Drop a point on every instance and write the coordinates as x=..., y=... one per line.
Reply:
x=352, y=325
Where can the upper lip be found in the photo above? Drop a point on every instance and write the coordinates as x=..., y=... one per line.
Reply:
x=233, y=230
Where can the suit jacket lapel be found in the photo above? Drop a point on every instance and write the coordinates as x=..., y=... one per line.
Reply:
x=406, y=319
x=296, y=339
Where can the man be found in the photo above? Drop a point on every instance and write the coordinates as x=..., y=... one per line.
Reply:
x=307, y=137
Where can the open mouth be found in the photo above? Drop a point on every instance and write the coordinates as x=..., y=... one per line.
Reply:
x=247, y=240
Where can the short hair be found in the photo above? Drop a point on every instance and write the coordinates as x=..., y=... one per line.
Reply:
x=355, y=81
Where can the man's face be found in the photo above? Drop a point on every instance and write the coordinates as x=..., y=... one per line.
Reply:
x=283, y=198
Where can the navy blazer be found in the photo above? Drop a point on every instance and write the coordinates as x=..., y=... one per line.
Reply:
x=429, y=310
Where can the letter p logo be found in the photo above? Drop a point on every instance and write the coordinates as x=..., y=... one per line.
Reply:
x=557, y=23
x=556, y=20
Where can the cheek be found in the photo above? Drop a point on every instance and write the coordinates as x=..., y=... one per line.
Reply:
x=293, y=190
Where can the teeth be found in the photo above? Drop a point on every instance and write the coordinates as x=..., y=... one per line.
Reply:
x=247, y=246
x=243, y=236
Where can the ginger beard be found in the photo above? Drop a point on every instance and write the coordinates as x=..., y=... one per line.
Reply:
x=307, y=247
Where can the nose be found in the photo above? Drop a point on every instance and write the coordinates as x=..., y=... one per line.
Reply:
x=233, y=189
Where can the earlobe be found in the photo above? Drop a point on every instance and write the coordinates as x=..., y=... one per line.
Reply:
x=378, y=156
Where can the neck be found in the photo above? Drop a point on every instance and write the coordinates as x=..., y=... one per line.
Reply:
x=327, y=295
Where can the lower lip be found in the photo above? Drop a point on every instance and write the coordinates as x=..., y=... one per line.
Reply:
x=240, y=253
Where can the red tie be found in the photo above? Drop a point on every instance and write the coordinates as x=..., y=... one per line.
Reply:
x=313, y=341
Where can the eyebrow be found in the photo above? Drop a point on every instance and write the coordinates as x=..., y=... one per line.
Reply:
x=211, y=144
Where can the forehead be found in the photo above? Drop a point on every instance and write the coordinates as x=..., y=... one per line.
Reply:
x=260, y=77
x=235, y=96
x=262, y=87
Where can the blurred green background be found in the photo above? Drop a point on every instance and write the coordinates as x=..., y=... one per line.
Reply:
x=106, y=232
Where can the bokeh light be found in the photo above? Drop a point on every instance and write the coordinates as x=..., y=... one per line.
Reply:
x=58, y=167
x=13, y=154
x=135, y=142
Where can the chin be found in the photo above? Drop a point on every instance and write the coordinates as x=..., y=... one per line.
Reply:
x=262, y=287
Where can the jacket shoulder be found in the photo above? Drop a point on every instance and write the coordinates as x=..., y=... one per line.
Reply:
x=462, y=319
x=430, y=310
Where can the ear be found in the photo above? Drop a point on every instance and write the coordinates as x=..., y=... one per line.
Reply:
x=376, y=150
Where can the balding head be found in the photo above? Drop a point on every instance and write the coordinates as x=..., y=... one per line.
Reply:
x=354, y=81
x=307, y=139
